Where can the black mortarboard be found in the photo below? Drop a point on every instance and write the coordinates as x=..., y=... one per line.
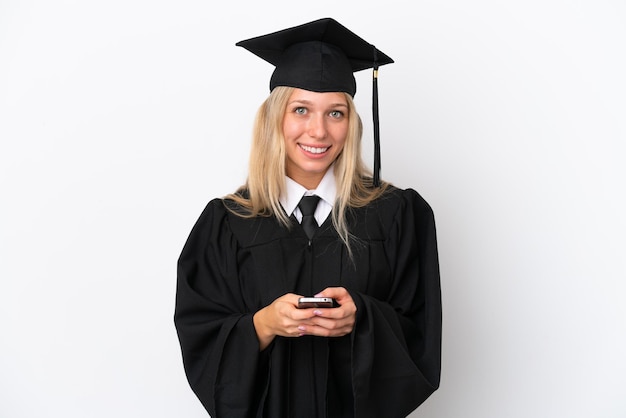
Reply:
x=321, y=56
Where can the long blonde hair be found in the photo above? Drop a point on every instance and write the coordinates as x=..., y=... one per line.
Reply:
x=266, y=171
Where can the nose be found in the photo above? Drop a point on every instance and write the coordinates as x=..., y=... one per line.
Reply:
x=317, y=127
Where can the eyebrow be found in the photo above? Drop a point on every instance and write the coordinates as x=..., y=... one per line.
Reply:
x=308, y=102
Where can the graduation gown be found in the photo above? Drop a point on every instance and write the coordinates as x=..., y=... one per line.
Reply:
x=231, y=267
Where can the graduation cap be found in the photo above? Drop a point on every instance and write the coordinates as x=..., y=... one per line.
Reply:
x=321, y=56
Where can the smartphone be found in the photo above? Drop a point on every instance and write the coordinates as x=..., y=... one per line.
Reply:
x=312, y=302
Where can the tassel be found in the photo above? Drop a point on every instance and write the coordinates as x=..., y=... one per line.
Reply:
x=376, y=121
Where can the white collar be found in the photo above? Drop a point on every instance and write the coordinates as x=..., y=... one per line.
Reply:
x=326, y=190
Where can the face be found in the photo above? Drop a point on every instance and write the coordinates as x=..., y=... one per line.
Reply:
x=315, y=127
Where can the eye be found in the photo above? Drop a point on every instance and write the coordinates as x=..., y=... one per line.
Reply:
x=336, y=114
x=300, y=110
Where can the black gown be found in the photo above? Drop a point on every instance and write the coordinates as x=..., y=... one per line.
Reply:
x=231, y=267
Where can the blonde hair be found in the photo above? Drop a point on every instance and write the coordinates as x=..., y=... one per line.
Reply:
x=266, y=171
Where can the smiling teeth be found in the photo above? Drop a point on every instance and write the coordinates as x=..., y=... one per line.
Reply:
x=314, y=150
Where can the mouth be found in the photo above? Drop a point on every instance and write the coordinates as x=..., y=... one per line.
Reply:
x=314, y=150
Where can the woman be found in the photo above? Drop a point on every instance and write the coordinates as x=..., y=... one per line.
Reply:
x=248, y=349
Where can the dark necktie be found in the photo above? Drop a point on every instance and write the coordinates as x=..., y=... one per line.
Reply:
x=307, y=206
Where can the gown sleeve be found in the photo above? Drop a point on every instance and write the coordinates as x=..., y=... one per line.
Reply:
x=396, y=343
x=215, y=329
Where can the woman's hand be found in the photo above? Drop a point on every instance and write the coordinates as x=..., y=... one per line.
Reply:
x=330, y=322
x=282, y=317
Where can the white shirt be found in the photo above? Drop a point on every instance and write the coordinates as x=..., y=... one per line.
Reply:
x=326, y=190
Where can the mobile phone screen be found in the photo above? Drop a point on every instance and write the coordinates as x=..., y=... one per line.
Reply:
x=313, y=302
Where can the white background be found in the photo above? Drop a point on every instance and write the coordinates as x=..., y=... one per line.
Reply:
x=119, y=120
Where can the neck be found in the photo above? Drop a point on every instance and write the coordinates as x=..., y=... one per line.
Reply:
x=310, y=181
